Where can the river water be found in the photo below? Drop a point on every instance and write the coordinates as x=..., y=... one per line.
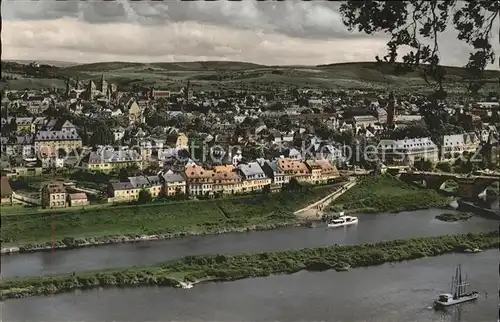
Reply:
x=371, y=228
x=391, y=292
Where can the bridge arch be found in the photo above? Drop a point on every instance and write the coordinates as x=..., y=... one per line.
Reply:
x=468, y=187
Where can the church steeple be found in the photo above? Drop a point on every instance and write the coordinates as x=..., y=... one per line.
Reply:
x=391, y=110
x=103, y=86
x=90, y=90
x=187, y=90
x=68, y=87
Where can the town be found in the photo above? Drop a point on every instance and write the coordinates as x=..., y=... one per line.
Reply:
x=102, y=144
x=249, y=160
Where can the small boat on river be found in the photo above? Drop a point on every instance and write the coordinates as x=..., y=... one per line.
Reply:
x=459, y=291
x=185, y=285
x=342, y=221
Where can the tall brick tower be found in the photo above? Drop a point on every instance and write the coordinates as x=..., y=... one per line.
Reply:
x=391, y=110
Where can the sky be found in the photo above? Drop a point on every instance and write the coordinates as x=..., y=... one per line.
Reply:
x=270, y=33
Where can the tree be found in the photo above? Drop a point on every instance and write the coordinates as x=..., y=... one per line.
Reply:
x=266, y=190
x=423, y=165
x=415, y=130
x=419, y=24
x=144, y=196
x=249, y=101
x=285, y=124
x=444, y=166
x=102, y=136
x=276, y=106
x=130, y=171
x=13, y=125
x=292, y=185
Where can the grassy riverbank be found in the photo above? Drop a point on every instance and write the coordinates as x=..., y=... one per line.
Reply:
x=385, y=193
x=227, y=268
x=207, y=216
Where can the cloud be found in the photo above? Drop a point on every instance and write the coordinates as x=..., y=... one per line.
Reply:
x=268, y=32
x=292, y=18
x=69, y=39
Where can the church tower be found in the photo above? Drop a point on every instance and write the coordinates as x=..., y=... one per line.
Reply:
x=187, y=90
x=103, y=86
x=91, y=88
x=68, y=87
x=391, y=111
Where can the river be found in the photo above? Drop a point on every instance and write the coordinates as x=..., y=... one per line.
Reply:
x=371, y=228
x=391, y=292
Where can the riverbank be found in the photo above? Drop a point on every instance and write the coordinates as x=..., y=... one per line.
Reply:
x=72, y=243
x=33, y=232
x=385, y=193
x=227, y=268
x=314, y=211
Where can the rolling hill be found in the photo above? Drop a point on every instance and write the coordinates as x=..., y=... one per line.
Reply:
x=213, y=75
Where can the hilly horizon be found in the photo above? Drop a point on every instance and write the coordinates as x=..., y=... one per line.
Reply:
x=216, y=75
x=201, y=63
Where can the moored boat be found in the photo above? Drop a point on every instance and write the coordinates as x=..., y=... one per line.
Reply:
x=342, y=221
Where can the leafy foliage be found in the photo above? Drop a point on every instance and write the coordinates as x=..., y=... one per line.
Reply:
x=144, y=196
x=424, y=165
x=417, y=25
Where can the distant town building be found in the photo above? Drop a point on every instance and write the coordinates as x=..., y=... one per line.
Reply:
x=77, y=199
x=54, y=195
x=406, y=152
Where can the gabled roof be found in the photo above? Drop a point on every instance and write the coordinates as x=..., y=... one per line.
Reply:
x=171, y=176
x=77, y=196
x=251, y=169
x=122, y=185
x=139, y=182
x=227, y=176
x=224, y=168
x=195, y=172
x=154, y=180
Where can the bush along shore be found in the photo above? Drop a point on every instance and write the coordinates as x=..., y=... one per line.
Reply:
x=449, y=217
x=384, y=193
x=194, y=269
x=32, y=232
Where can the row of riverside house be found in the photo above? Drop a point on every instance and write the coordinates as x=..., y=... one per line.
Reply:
x=199, y=181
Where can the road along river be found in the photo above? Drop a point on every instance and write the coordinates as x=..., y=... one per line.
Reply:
x=371, y=228
x=395, y=292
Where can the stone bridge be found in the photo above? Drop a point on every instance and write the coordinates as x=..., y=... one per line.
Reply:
x=469, y=187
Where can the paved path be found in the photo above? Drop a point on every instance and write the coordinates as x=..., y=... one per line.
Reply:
x=315, y=210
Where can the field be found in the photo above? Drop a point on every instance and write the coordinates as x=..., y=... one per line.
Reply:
x=159, y=218
x=219, y=75
x=230, y=268
x=387, y=194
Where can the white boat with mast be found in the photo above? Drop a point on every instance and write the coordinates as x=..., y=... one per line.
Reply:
x=342, y=220
x=459, y=291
